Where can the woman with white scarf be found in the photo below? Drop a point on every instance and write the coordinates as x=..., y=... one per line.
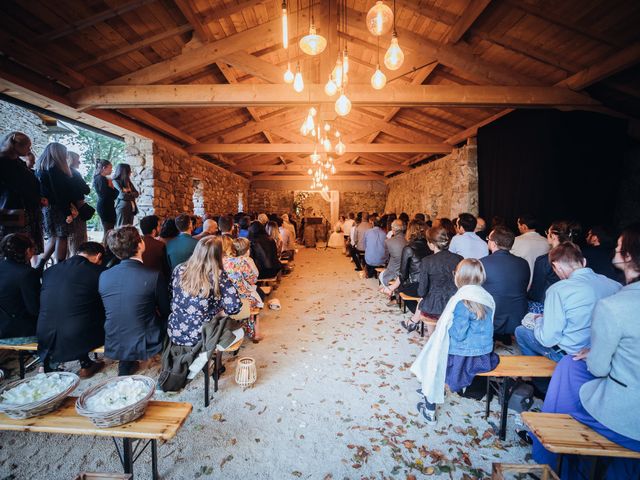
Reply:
x=462, y=344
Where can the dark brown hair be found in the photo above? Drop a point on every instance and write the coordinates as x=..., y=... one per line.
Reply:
x=630, y=244
x=183, y=222
x=14, y=247
x=439, y=237
x=123, y=242
x=502, y=237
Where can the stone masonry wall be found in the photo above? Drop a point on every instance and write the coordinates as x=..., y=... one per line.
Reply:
x=17, y=119
x=443, y=188
x=362, y=202
x=168, y=178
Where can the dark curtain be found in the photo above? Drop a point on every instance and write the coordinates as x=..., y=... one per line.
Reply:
x=554, y=165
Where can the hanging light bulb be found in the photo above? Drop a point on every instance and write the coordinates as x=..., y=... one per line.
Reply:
x=345, y=61
x=315, y=157
x=337, y=73
x=310, y=172
x=285, y=27
x=327, y=127
x=378, y=79
x=298, y=82
x=330, y=88
x=333, y=170
x=313, y=112
x=313, y=44
x=340, y=148
x=337, y=134
x=288, y=74
x=394, y=57
x=326, y=143
x=379, y=19
x=343, y=105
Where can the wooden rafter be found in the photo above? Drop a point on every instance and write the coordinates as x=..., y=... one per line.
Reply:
x=186, y=7
x=469, y=16
x=240, y=148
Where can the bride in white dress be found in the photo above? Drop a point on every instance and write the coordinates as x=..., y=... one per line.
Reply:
x=336, y=240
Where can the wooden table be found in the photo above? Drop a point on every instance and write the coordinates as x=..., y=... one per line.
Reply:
x=563, y=435
x=161, y=421
x=514, y=366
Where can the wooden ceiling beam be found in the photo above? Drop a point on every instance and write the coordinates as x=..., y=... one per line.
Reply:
x=287, y=178
x=133, y=47
x=71, y=27
x=166, y=96
x=308, y=148
x=470, y=14
x=251, y=64
x=159, y=124
x=304, y=168
x=215, y=14
x=202, y=32
x=208, y=53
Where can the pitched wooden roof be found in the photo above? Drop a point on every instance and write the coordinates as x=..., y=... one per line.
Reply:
x=462, y=58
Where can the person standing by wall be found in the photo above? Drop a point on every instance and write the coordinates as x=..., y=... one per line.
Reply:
x=107, y=194
x=126, y=208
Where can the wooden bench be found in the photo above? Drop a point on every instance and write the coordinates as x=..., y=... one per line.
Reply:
x=25, y=348
x=217, y=364
x=511, y=367
x=563, y=435
x=161, y=421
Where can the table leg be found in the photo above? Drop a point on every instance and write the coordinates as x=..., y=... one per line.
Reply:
x=504, y=391
x=127, y=456
x=205, y=371
x=559, y=465
x=21, y=364
x=154, y=459
x=216, y=372
x=421, y=328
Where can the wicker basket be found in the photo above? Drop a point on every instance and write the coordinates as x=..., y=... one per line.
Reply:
x=246, y=372
x=41, y=407
x=115, y=417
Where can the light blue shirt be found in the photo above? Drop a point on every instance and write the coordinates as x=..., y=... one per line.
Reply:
x=568, y=306
x=375, y=248
x=469, y=245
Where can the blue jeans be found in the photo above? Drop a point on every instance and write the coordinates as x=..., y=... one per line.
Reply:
x=532, y=347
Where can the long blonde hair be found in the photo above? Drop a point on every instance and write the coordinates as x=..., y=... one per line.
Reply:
x=54, y=155
x=202, y=271
x=470, y=271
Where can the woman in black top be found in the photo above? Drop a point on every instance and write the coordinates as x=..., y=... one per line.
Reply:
x=107, y=195
x=19, y=190
x=79, y=226
x=19, y=290
x=263, y=251
x=126, y=207
x=57, y=186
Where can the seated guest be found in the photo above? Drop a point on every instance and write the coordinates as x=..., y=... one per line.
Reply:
x=420, y=217
x=209, y=227
x=358, y=239
x=168, y=230
x=412, y=255
x=529, y=244
x=375, y=249
x=447, y=224
x=507, y=282
x=543, y=274
x=263, y=219
x=243, y=224
x=436, y=284
x=565, y=327
x=197, y=224
x=599, y=252
x=404, y=216
x=288, y=245
x=19, y=290
x=348, y=224
x=155, y=251
x=242, y=271
x=136, y=303
x=462, y=344
x=272, y=230
x=395, y=246
x=603, y=392
x=264, y=251
x=466, y=242
x=71, y=320
x=201, y=290
x=225, y=224
x=180, y=248
x=481, y=228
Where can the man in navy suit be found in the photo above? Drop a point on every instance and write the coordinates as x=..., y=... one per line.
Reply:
x=507, y=281
x=136, y=303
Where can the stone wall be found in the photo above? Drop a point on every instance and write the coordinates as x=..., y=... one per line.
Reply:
x=443, y=188
x=17, y=119
x=172, y=182
x=362, y=202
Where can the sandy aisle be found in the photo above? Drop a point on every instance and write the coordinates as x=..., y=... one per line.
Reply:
x=334, y=399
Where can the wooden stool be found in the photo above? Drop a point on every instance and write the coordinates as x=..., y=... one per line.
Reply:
x=563, y=435
x=510, y=367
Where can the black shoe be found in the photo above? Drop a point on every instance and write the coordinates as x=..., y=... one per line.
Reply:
x=409, y=327
x=358, y=269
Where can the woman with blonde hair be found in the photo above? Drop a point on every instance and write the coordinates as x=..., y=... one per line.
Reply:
x=201, y=290
x=20, y=199
x=462, y=344
x=56, y=184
